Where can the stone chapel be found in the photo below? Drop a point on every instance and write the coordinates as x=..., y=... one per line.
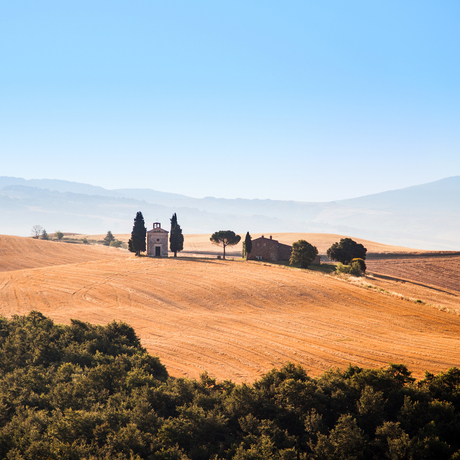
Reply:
x=157, y=241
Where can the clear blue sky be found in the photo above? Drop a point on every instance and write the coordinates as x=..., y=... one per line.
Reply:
x=302, y=100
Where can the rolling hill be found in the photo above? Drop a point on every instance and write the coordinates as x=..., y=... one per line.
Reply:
x=235, y=319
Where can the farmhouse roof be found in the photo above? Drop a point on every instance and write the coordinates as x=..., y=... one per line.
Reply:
x=263, y=238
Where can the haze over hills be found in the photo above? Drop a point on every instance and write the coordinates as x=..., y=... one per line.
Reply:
x=425, y=216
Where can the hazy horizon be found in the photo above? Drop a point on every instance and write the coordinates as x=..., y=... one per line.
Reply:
x=222, y=197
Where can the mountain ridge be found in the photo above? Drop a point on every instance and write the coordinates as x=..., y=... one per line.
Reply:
x=421, y=216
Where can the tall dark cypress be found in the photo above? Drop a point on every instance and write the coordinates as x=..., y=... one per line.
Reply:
x=248, y=244
x=137, y=241
x=176, y=239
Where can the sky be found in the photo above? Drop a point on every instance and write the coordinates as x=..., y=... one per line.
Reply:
x=297, y=100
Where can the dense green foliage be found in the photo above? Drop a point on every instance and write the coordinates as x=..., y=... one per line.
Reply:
x=346, y=250
x=225, y=238
x=176, y=239
x=303, y=253
x=136, y=243
x=92, y=392
x=59, y=235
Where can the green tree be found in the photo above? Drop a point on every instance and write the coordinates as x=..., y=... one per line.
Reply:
x=303, y=253
x=247, y=245
x=59, y=235
x=108, y=238
x=346, y=250
x=225, y=238
x=176, y=239
x=136, y=243
x=44, y=235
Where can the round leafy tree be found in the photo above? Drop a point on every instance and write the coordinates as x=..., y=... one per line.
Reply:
x=225, y=238
x=346, y=250
x=303, y=253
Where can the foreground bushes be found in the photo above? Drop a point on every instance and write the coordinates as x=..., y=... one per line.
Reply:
x=92, y=392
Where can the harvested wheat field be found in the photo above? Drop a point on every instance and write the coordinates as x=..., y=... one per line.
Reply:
x=442, y=272
x=17, y=253
x=239, y=319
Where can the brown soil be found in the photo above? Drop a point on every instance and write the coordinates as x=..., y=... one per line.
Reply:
x=239, y=319
x=441, y=272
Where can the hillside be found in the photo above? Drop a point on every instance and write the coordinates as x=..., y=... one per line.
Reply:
x=237, y=319
x=17, y=253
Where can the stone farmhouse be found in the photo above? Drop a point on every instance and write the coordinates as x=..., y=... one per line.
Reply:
x=269, y=249
x=272, y=250
x=157, y=241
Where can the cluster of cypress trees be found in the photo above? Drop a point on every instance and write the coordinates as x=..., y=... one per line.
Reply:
x=137, y=242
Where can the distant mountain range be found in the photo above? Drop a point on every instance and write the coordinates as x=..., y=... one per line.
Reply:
x=424, y=216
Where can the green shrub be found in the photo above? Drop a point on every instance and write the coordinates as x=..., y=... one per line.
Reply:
x=116, y=243
x=353, y=269
x=362, y=264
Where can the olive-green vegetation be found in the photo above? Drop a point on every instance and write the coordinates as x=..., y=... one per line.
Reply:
x=346, y=250
x=92, y=392
x=303, y=253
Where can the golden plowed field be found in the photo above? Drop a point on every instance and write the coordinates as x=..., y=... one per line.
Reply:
x=17, y=253
x=441, y=272
x=238, y=319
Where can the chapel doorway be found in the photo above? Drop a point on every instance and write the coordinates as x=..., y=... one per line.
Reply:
x=157, y=251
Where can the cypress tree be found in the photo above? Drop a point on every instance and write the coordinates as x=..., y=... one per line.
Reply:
x=176, y=239
x=137, y=241
x=108, y=238
x=247, y=244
